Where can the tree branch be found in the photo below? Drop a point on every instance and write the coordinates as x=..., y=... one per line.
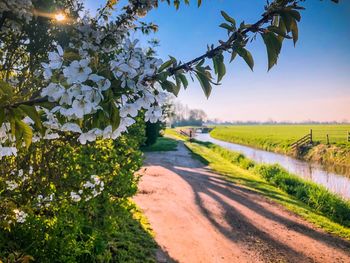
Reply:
x=187, y=65
x=223, y=46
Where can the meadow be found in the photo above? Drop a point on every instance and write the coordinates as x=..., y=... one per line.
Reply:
x=279, y=138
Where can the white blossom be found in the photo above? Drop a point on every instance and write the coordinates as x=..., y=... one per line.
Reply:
x=20, y=216
x=11, y=185
x=72, y=127
x=77, y=71
x=7, y=151
x=54, y=91
x=87, y=137
x=102, y=83
x=56, y=58
x=75, y=197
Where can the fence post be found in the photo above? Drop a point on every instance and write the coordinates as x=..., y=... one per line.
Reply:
x=310, y=135
x=327, y=139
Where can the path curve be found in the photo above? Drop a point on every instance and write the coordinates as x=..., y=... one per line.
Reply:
x=198, y=216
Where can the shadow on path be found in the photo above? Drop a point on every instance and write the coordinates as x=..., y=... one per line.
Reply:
x=235, y=203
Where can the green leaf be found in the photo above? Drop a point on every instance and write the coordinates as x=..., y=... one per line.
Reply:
x=170, y=86
x=287, y=20
x=199, y=3
x=228, y=18
x=183, y=80
x=219, y=66
x=247, y=56
x=165, y=65
x=227, y=26
x=162, y=76
x=2, y=116
x=279, y=31
x=178, y=81
x=233, y=56
x=204, y=81
x=114, y=116
x=295, y=14
x=295, y=31
x=6, y=92
x=200, y=63
x=177, y=4
x=273, y=47
x=33, y=114
x=23, y=132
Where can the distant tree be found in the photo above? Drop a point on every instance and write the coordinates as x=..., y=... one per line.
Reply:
x=184, y=116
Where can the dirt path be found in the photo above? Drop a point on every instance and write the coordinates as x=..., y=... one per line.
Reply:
x=200, y=217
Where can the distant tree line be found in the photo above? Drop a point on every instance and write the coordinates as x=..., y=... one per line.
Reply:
x=182, y=115
x=272, y=122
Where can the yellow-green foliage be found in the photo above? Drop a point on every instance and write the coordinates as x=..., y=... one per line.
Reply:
x=106, y=228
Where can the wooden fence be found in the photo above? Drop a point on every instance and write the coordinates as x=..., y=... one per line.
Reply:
x=325, y=137
x=307, y=139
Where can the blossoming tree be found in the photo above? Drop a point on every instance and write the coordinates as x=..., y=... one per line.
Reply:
x=83, y=76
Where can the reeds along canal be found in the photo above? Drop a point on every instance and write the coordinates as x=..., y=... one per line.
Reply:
x=333, y=181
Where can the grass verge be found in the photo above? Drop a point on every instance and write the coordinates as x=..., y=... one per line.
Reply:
x=172, y=133
x=162, y=144
x=311, y=201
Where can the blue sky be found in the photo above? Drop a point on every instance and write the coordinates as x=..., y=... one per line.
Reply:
x=310, y=81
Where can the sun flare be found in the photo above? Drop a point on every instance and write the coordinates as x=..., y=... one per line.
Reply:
x=60, y=17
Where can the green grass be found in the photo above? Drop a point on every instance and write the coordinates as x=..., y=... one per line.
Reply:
x=278, y=138
x=172, y=133
x=133, y=237
x=306, y=199
x=282, y=136
x=162, y=144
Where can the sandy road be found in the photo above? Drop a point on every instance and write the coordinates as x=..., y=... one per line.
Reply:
x=200, y=217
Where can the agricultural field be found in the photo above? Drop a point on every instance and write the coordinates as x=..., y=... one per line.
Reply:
x=279, y=138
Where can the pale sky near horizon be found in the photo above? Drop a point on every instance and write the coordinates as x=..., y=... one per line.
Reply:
x=310, y=82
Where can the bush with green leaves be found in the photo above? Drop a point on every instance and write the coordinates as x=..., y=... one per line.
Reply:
x=51, y=199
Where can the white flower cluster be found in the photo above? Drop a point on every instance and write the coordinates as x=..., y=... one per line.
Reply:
x=20, y=216
x=91, y=189
x=13, y=10
x=5, y=135
x=81, y=91
x=45, y=201
x=12, y=184
x=80, y=87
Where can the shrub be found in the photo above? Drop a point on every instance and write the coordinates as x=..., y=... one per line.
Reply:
x=41, y=218
x=152, y=132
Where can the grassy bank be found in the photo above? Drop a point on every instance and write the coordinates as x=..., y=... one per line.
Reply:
x=278, y=138
x=162, y=144
x=309, y=200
